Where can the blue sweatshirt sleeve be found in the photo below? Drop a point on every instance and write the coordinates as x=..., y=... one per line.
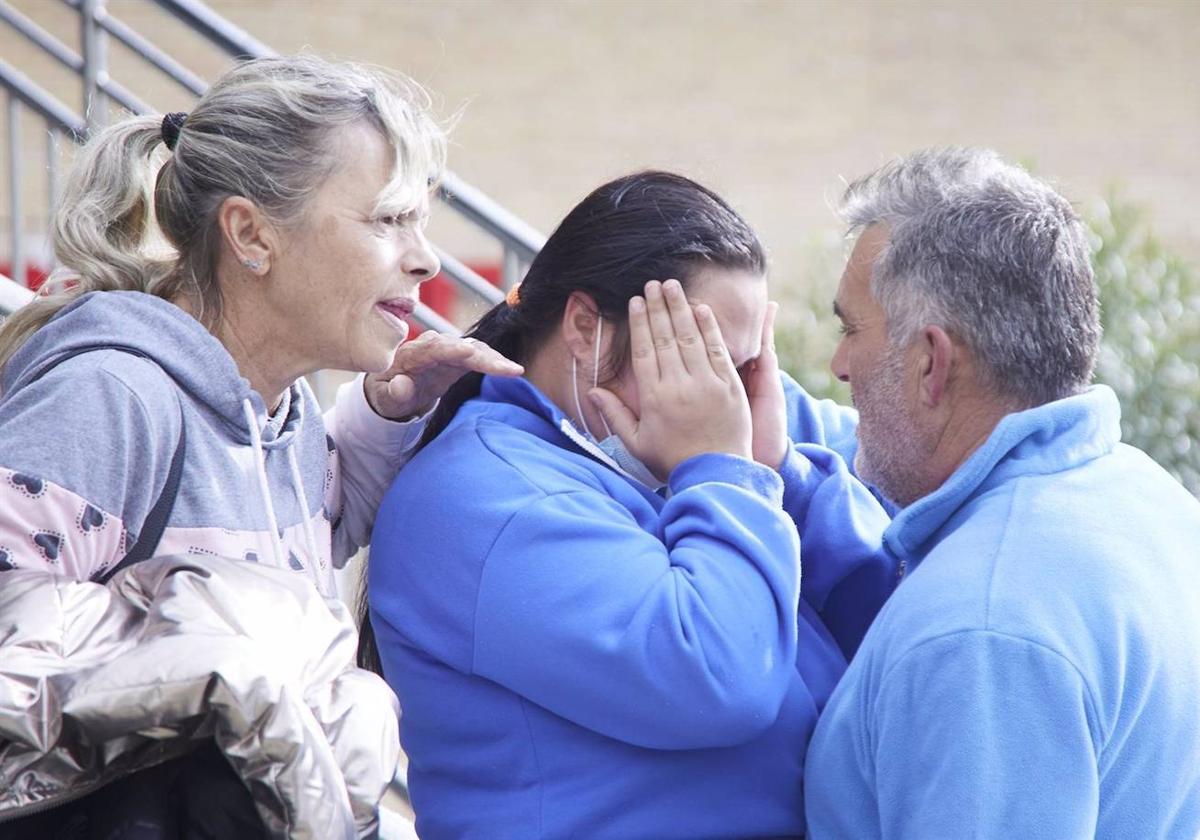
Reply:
x=848, y=572
x=826, y=423
x=684, y=640
x=984, y=734
x=823, y=422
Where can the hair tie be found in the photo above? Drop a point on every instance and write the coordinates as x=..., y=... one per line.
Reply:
x=513, y=298
x=172, y=124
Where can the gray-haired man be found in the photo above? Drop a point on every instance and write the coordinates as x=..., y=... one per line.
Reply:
x=1038, y=673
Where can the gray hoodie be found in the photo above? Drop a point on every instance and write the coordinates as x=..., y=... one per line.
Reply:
x=85, y=449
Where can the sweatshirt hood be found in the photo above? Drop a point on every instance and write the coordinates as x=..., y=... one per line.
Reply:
x=197, y=362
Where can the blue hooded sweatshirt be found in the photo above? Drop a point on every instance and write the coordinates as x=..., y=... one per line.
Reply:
x=577, y=655
x=87, y=434
x=1037, y=675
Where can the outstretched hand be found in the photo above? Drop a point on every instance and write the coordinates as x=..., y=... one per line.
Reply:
x=692, y=399
x=425, y=367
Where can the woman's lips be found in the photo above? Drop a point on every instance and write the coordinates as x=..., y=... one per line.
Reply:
x=396, y=313
x=400, y=307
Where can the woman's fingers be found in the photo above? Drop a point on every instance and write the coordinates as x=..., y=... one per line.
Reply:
x=666, y=348
x=620, y=419
x=766, y=367
x=433, y=349
x=691, y=400
x=768, y=333
x=641, y=344
x=483, y=359
x=768, y=409
x=424, y=368
x=714, y=345
x=689, y=341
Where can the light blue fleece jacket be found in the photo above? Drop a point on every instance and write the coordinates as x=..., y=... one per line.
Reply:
x=1038, y=673
x=578, y=656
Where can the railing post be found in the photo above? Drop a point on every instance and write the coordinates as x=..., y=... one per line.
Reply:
x=51, y=174
x=17, y=254
x=95, y=64
x=510, y=269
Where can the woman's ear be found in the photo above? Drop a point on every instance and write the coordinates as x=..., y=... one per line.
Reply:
x=579, y=322
x=248, y=234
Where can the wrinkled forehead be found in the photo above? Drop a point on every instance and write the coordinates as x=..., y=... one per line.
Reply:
x=400, y=178
x=363, y=174
x=854, y=290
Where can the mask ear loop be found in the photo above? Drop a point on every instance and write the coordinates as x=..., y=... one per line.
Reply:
x=595, y=381
x=579, y=408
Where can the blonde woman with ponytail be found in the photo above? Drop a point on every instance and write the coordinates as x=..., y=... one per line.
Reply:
x=154, y=405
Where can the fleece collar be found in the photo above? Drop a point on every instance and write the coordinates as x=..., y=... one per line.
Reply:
x=1047, y=439
x=538, y=411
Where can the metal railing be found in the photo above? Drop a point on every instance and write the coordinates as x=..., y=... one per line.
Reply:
x=518, y=241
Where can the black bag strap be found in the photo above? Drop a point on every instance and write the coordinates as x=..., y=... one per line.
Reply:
x=156, y=520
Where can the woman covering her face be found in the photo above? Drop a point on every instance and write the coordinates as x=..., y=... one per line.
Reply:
x=156, y=406
x=614, y=594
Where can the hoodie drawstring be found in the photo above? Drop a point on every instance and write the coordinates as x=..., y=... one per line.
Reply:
x=260, y=466
x=309, y=536
x=264, y=488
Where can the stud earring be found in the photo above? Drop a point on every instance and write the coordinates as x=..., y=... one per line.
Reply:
x=253, y=265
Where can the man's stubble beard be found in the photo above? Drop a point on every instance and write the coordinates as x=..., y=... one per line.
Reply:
x=892, y=450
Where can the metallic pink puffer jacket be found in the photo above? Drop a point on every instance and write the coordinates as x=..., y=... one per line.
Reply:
x=97, y=681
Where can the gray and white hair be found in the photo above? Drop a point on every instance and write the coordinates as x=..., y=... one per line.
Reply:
x=990, y=254
x=265, y=131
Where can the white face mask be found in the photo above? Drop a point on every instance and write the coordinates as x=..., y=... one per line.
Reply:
x=612, y=446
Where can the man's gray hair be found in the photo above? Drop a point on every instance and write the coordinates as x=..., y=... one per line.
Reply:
x=990, y=254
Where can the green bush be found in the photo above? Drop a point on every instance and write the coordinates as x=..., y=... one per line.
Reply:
x=1150, y=354
x=806, y=330
x=1150, y=308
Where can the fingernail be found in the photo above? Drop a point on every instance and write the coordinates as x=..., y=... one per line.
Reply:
x=637, y=304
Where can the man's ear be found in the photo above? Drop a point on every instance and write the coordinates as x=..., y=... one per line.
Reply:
x=579, y=323
x=938, y=358
x=250, y=237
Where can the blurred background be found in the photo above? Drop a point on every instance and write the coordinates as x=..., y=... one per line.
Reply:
x=774, y=104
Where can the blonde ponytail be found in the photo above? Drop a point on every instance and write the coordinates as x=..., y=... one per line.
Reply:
x=100, y=230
